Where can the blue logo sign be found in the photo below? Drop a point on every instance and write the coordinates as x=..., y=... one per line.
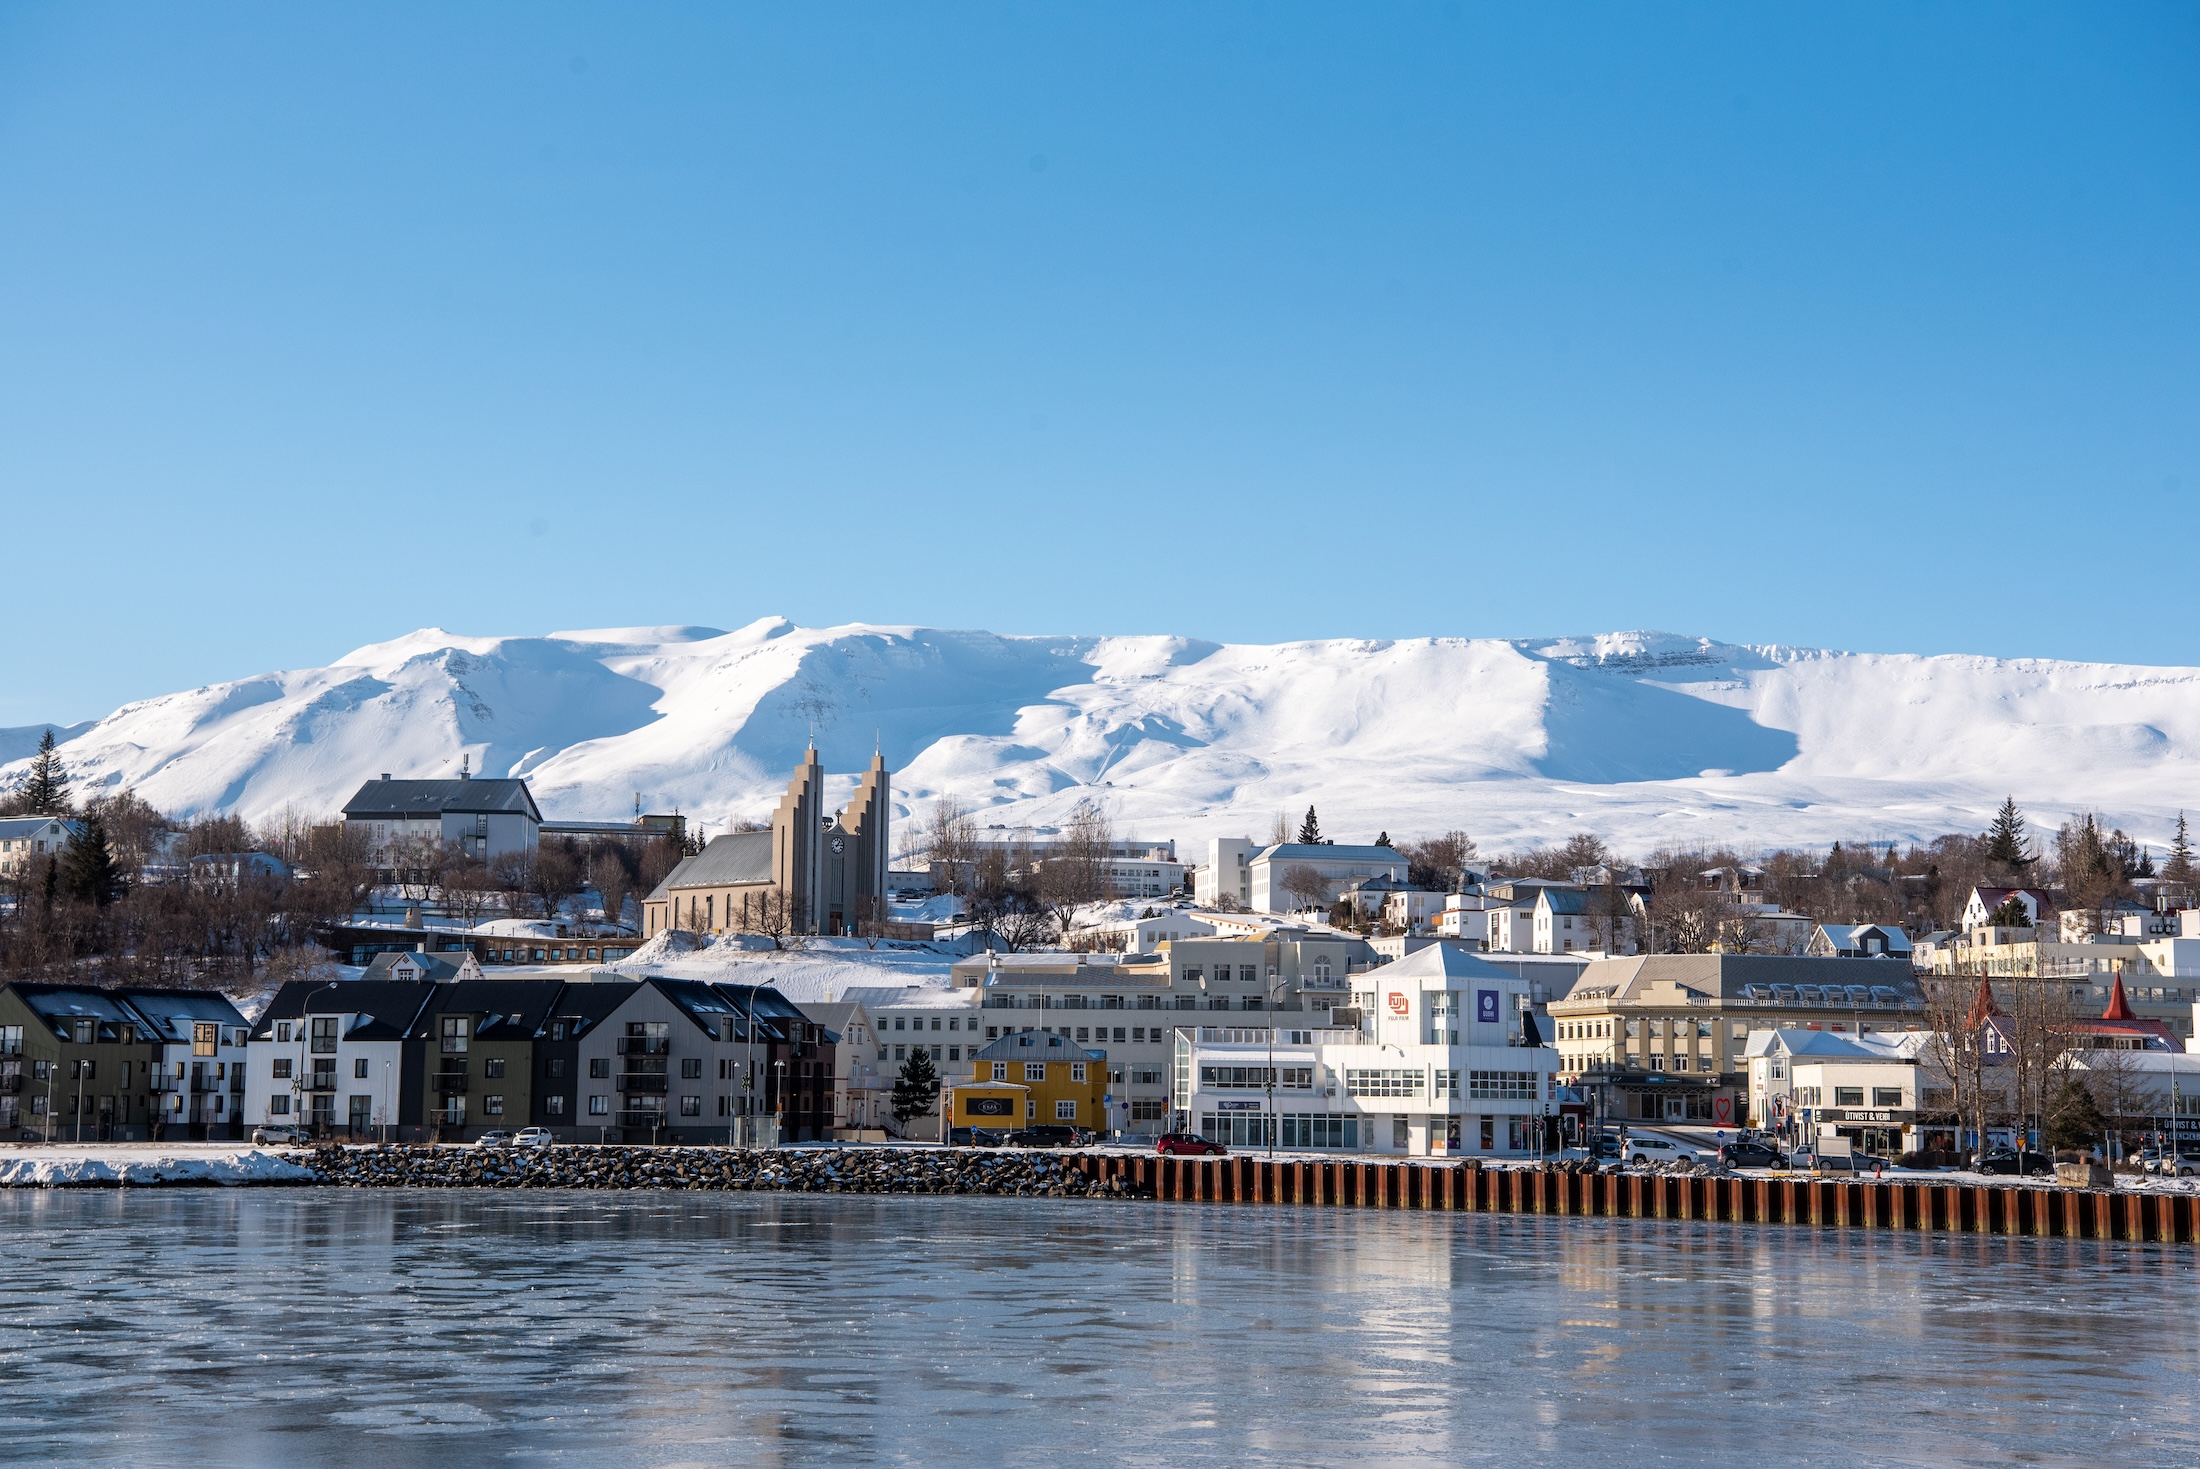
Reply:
x=1485, y=1006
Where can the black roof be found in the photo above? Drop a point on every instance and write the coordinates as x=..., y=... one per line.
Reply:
x=172, y=1012
x=435, y=797
x=516, y=1009
x=387, y=1007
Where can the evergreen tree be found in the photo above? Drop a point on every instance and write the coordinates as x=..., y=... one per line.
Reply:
x=2074, y=1118
x=46, y=792
x=2006, y=842
x=88, y=871
x=1310, y=830
x=2179, y=866
x=2010, y=914
x=917, y=1088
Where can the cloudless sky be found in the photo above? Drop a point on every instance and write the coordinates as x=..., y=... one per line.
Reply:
x=1865, y=326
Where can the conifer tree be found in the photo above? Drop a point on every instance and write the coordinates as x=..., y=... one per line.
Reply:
x=2006, y=842
x=2179, y=866
x=917, y=1088
x=46, y=792
x=88, y=872
x=1310, y=830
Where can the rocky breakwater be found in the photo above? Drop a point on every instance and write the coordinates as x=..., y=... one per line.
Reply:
x=1014, y=1174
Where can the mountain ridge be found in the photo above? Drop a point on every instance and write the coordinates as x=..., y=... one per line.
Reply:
x=1647, y=738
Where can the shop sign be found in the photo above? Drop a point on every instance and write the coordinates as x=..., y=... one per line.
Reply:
x=1485, y=1006
x=990, y=1106
x=1235, y=1105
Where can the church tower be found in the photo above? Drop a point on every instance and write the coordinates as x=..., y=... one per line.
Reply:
x=798, y=843
x=863, y=824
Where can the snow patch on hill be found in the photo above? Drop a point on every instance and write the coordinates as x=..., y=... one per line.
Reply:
x=1648, y=738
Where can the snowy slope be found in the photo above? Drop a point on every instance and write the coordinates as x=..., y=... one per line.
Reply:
x=1646, y=738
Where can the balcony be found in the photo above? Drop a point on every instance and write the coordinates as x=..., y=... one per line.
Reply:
x=643, y=1083
x=449, y=1082
x=11, y=1083
x=645, y=1045
x=645, y=1120
x=320, y=1081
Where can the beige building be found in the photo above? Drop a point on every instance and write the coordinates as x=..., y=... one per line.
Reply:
x=811, y=872
x=1665, y=1037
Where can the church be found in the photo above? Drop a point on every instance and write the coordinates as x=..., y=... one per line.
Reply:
x=813, y=871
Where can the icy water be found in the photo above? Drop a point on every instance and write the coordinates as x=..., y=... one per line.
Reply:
x=315, y=1327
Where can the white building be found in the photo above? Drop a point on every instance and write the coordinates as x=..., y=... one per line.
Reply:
x=332, y=1056
x=1336, y=868
x=1858, y=941
x=198, y=1080
x=1227, y=873
x=1436, y=1064
x=1982, y=903
x=29, y=840
x=1868, y=1088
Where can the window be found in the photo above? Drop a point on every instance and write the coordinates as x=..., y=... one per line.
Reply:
x=1887, y=1096
x=1382, y=1083
x=691, y=1068
x=1248, y=974
x=1000, y=1071
x=280, y=1068
x=1149, y=1109
x=1305, y=1130
x=691, y=1106
x=1228, y=1078
x=553, y=1106
x=1518, y=1086
x=1193, y=974
x=359, y=1069
x=1848, y=1096
x=454, y=1034
x=277, y=1106
x=492, y=1067
x=1657, y=1063
x=901, y=1022
x=324, y=1035
x=1145, y=1076
x=954, y=1053
x=1076, y=1071
x=1065, y=1111
x=599, y=1106
x=935, y=1053
x=1680, y=1063
x=599, y=1067
x=282, y=1032
x=1447, y=1084
x=1035, y=1071
x=205, y=1038
x=901, y=1053
x=935, y=1022
x=492, y=1106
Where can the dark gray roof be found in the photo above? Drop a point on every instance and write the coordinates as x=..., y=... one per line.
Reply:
x=1036, y=1045
x=513, y=1009
x=736, y=857
x=435, y=966
x=386, y=1007
x=434, y=797
x=171, y=1012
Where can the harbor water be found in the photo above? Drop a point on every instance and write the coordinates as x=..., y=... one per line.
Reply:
x=319, y=1326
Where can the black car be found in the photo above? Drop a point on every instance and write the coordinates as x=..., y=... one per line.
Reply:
x=2007, y=1160
x=1050, y=1135
x=1752, y=1155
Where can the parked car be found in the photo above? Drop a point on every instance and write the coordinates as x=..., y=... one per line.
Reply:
x=1752, y=1155
x=276, y=1132
x=495, y=1137
x=1597, y=1150
x=1188, y=1145
x=532, y=1137
x=2007, y=1160
x=1641, y=1150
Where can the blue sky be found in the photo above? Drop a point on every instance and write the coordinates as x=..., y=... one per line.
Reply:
x=1859, y=326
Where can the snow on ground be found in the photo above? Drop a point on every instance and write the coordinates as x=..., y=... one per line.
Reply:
x=817, y=972
x=226, y=1164
x=1648, y=738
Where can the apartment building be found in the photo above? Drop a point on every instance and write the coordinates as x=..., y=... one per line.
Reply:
x=86, y=1064
x=1437, y=1060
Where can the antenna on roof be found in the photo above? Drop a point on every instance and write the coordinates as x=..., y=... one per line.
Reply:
x=466, y=765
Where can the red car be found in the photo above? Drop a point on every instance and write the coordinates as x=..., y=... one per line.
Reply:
x=1188, y=1144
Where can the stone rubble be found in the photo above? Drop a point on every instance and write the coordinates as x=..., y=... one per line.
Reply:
x=1018, y=1173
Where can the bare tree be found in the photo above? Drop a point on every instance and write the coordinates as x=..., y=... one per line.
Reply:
x=1075, y=872
x=950, y=840
x=775, y=914
x=467, y=887
x=1304, y=886
x=1956, y=1010
x=555, y=876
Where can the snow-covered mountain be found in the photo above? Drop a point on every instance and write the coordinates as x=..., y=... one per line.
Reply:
x=1646, y=738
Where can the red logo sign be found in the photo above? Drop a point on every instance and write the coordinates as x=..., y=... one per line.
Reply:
x=1397, y=1003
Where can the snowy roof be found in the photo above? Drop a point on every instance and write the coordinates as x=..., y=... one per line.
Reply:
x=1851, y=935
x=1297, y=852
x=1441, y=962
x=1036, y=1045
x=737, y=857
x=29, y=826
x=435, y=797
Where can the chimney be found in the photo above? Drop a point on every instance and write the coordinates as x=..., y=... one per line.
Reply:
x=466, y=766
x=385, y=775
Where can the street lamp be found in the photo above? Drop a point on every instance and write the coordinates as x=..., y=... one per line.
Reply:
x=779, y=1118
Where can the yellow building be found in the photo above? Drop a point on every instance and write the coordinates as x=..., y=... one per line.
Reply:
x=1031, y=1079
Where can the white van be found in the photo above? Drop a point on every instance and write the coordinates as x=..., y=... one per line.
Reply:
x=1642, y=1150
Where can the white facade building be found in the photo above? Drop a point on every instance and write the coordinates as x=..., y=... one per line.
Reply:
x=1436, y=1065
x=1337, y=867
x=28, y=840
x=1227, y=872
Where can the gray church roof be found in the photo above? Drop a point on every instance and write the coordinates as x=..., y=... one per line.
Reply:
x=435, y=797
x=737, y=857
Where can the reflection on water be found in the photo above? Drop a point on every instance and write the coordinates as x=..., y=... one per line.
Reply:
x=325, y=1327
